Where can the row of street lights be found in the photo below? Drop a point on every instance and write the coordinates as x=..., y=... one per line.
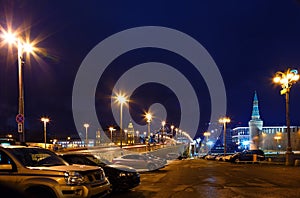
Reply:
x=285, y=79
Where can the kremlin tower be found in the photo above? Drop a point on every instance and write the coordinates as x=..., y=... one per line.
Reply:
x=255, y=125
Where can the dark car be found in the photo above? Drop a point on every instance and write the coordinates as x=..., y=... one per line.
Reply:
x=248, y=155
x=121, y=177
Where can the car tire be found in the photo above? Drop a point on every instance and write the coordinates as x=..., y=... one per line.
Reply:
x=40, y=191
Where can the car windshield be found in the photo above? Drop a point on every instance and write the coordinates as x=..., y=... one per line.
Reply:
x=33, y=157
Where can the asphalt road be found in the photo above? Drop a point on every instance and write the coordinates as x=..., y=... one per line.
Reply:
x=213, y=179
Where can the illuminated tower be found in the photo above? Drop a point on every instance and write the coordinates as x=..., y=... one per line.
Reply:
x=255, y=125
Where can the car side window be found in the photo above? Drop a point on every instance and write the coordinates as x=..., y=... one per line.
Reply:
x=5, y=159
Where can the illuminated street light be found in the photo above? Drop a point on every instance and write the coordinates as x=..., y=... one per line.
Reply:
x=45, y=121
x=86, y=126
x=286, y=80
x=224, y=120
x=163, y=123
x=111, y=130
x=22, y=48
x=121, y=99
x=176, y=132
x=172, y=129
x=206, y=134
x=148, y=117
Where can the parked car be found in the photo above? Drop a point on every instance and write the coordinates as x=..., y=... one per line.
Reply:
x=140, y=162
x=121, y=177
x=37, y=172
x=172, y=156
x=162, y=162
x=248, y=155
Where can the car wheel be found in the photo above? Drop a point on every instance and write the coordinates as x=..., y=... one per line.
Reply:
x=237, y=160
x=151, y=167
x=40, y=191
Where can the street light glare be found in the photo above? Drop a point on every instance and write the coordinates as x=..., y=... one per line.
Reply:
x=224, y=120
x=27, y=47
x=44, y=119
x=9, y=37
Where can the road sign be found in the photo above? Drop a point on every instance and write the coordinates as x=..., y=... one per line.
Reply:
x=20, y=118
x=20, y=127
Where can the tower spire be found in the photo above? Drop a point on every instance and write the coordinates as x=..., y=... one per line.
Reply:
x=255, y=111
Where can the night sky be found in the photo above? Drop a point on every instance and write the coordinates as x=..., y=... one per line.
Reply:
x=248, y=41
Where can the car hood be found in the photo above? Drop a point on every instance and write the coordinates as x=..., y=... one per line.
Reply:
x=122, y=167
x=74, y=167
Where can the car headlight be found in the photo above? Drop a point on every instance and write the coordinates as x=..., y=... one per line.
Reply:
x=122, y=174
x=74, y=178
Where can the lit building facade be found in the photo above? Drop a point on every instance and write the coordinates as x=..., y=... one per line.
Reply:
x=268, y=138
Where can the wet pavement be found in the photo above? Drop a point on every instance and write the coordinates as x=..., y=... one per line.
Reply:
x=213, y=179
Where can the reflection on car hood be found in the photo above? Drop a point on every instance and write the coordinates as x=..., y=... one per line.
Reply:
x=122, y=167
x=74, y=167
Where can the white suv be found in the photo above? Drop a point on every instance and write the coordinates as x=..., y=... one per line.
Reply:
x=39, y=172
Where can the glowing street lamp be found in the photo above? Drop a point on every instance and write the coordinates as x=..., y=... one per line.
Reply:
x=148, y=117
x=206, y=134
x=86, y=126
x=176, y=132
x=111, y=130
x=163, y=123
x=45, y=121
x=286, y=80
x=22, y=48
x=121, y=99
x=224, y=120
x=172, y=129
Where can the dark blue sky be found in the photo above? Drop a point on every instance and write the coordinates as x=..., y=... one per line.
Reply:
x=249, y=42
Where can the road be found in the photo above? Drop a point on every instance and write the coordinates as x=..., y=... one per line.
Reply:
x=203, y=178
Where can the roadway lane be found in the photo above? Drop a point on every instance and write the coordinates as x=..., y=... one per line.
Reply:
x=213, y=179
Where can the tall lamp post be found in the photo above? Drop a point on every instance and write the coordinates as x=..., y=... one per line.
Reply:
x=149, y=119
x=45, y=121
x=206, y=134
x=121, y=99
x=86, y=126
x=286, y=80
x=22, y=48
x=163, y=123
x=224, y=121
x=172, y=130
x=111, y=130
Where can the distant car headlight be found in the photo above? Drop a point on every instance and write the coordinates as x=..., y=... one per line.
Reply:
x=74, y=178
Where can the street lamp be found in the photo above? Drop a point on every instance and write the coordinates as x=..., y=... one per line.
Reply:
x=111, y=130
x=137, y=135
x=277, y=138
x=148, y=116
x=22, y=48
x=86, y=126
x=224, y=120
x=172, y=129
x=163, y=131
x=121, y=99
x=45, y=120
x=176, y=133
x=286, y=80
x=206, y=134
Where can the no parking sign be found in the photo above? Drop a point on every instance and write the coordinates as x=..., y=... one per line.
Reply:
x=20, y=118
